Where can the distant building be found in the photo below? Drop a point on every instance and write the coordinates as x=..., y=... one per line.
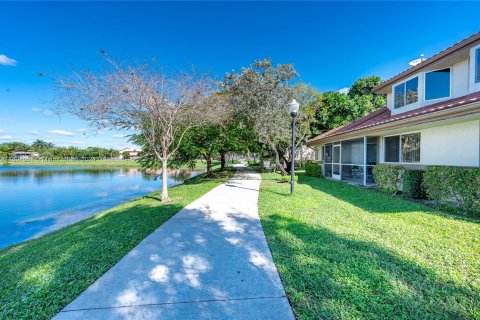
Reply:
x=25, y=155
x=132, y=153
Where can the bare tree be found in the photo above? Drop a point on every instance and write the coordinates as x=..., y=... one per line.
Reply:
x=160, y=107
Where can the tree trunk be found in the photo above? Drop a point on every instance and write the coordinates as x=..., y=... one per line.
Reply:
x=164, y=196
x=277, y=160
x=209, y=165
x=222, y=161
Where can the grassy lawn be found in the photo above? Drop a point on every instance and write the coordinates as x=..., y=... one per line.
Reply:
x=344, y=252
x=41, y=276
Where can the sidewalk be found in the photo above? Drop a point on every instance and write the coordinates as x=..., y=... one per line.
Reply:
x=209, y=261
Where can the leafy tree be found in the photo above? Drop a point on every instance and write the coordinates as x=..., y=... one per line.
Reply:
x=38, y=145
x=332, y=109
x=260, y=94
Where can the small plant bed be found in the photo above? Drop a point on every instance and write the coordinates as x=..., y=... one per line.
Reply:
x=345, y=252
x=41, y=276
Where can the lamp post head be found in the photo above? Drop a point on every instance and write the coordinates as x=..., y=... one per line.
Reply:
x=293, y=107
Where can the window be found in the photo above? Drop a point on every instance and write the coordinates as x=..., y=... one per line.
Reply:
x=477, y=65
x=392, y=149
x=327, y=156
x=437, y=84
x=406, y=145
x=411, y=147
x=406, y=93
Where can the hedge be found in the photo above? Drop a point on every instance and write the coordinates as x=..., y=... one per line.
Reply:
x=313, y=169
x=388, y=177
x=453, y=184
x=413, y=184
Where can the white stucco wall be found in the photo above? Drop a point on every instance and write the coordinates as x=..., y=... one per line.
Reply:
x=460, y=79
x=456, y=145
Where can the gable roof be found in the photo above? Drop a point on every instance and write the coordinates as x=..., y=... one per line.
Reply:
x=384, y=116
x=465, y=43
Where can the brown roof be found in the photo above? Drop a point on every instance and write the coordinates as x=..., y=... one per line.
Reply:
x=384, y=116
x=456, y=47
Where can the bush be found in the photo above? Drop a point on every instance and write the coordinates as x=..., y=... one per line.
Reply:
x=413, y=184
x=453, y=184
x=313, y=169
x=285, y=179
x=388, y=177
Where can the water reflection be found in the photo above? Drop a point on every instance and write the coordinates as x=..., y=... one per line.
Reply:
x=36, y=200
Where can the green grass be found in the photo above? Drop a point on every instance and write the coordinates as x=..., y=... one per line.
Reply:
x=41, y=276
x=128, y=163
x=345, y=252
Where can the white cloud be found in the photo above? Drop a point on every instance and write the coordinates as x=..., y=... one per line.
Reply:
x=344, y=90
x=35, y=132
x=118, y=136
x=82, y=143
x=46, y=112
x=2, y=131
x=6, y=61
x=6, y=137
x=81, y=130
x=61, y=133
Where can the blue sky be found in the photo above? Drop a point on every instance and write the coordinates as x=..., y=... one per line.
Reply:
x=330, y=43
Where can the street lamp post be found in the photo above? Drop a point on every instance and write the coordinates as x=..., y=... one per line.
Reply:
x=293, y=109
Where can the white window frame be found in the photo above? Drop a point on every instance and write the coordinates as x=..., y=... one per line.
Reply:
x=425, y=85
x=400, y=151
x=405, y=92
x=473, y=86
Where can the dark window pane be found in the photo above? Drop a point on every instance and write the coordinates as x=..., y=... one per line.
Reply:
x=328, y=153
x=392, y=149
x=437, y=84
x=399, y=96
x=411, y=90
x=411, y=147
x=477, y=65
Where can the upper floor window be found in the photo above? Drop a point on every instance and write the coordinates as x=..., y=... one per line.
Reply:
x=477, y=65
x=437, y=84
x=406, y=93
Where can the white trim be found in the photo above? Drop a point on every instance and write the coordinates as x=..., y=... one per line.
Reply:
x=400, y=148
x=425, y=85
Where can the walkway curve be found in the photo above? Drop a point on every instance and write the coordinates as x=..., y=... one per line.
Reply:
x=209, y=261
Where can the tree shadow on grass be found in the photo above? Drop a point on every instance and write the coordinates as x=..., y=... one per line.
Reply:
x=374, y=201
x=40, y=276
x=327, y=276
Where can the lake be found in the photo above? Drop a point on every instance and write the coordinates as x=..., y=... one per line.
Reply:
x=36, y=200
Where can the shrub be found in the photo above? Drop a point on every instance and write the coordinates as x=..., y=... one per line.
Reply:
x=453, y=184
x=388, y=177
x=285, y=179
x=413, y=184
x=313, y=169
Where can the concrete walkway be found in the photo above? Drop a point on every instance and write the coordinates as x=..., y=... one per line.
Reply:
x=209, y=261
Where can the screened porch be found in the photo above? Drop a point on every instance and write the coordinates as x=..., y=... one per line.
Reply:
x=351, y=160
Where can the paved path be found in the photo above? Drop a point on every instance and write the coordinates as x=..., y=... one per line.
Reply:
x=209, y=261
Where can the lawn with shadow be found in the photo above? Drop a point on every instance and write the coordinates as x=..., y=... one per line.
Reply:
x=41, y=276
x=345, y=252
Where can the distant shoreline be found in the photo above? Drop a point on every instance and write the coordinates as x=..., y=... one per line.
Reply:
x=86, y=163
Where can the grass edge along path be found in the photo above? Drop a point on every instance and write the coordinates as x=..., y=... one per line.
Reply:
x=41, y=276
x=346, y=252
